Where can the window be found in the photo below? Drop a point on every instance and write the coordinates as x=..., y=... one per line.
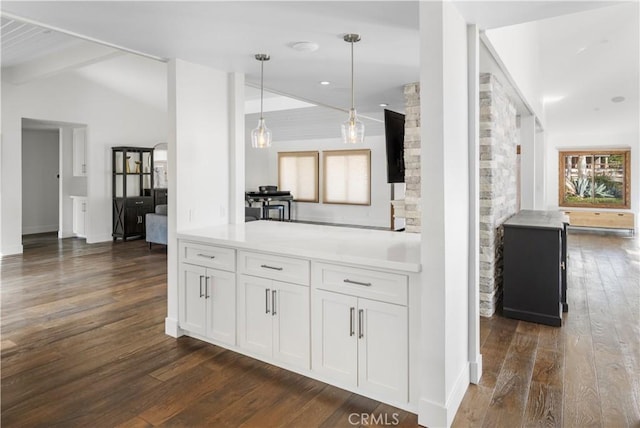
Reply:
x=298, y=173
x=347, y=177
x=595, y=179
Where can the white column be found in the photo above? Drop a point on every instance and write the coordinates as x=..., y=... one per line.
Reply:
x=445, y=223
x=475, y=358
x=236, y=148
x=540, y=172
x=527, y=161
x=199, y=159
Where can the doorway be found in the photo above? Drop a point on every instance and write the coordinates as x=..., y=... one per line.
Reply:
x=54, y=178
x=40, y=179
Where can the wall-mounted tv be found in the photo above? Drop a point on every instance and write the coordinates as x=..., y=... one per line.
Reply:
x=394, y=134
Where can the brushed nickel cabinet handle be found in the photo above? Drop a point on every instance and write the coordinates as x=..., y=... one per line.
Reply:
x=360, y=322
x=271, y=267
x=201, y=294
x=366, y=284
x=273, y=302
x=266, y=301
x=139, y=202
x=352, y=315
x=206, y=256
x=206, y=287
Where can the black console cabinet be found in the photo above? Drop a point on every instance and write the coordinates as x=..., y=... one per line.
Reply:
x=131, y=183
x=535, y=261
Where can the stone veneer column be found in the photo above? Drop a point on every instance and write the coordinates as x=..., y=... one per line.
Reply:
x=412, y=157
x=498, y=183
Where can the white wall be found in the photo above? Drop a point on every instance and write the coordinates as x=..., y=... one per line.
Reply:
x=113, y=118
x=518, y=49
x=262, y=168
x=445, y=214
x=40, y=151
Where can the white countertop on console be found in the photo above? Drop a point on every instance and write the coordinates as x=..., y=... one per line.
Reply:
x=365, y=247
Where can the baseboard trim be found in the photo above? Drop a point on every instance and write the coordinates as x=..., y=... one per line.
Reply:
x=171, y=328
x=31, y=230
x=98, y=238
x=475, y=370
x=10, y=251
x=432, y=414
x=63, y=235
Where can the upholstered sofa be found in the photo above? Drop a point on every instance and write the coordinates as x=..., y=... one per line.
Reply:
x=156, y=226
x=252, y=213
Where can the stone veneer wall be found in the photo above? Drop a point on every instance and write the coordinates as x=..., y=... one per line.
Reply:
x=499, y=137
x=412, y=157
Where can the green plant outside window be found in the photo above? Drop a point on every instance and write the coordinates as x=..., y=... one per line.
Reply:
x=595, y=179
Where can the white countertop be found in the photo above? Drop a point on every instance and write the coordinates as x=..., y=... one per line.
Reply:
x=365, y=247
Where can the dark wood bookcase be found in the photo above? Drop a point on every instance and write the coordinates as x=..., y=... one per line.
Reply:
x=132, y=179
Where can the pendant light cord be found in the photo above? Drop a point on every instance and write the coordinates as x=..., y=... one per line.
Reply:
x=353, y=103
x=261, y=86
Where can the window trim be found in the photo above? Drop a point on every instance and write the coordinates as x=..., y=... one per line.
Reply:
x=328, y=153
x=562, y=154
x=316, y=164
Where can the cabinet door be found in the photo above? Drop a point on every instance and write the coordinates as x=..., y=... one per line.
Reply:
x=79, y=162
x=290, y=310
x=79, y=216
x=191, y=299
x=383, y=349
x=335, y=340
x=254, y=314
x=220, y=294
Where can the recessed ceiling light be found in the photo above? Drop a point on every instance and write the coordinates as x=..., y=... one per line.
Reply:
x=325, y=83
x=383, y=104
x=305, y=46
x=549, y=99
x=618, y=99
x=582, y=49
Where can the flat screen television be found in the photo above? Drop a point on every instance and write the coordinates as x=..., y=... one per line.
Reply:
x=394, y=134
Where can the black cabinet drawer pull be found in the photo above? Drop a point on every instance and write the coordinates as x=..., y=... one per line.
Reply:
x=366, y=284
x=271, y=267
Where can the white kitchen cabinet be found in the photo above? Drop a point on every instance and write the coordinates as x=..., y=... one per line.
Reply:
x=363, y=343
x=207, y=301
x=79, y=161
x=273, y=319
x=79, y=213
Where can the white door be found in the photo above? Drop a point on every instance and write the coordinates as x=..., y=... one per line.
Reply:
x=220, y=294
x=383, y=349
x=254, y=314
x=335, y=340
x=191, y=284
x=290, y=310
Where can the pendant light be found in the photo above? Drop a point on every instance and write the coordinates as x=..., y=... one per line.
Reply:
x=261, y=136
x=352, y=129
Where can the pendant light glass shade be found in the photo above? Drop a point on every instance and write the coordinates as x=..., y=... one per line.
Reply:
x=261, y=136
x=352, y=129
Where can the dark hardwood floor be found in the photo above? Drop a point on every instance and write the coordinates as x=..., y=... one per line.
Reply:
x=83, y=345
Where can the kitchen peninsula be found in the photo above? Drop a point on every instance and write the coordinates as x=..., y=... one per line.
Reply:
x=340, y=305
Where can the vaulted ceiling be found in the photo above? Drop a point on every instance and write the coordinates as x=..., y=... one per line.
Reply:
x=225, y=35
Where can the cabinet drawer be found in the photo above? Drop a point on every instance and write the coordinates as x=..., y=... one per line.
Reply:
x=280, y=268
x=382, y=286
x=138, y=202
x=208, y=255
x=606, y=219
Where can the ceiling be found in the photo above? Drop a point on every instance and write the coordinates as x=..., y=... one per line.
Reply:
x=226, y=35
